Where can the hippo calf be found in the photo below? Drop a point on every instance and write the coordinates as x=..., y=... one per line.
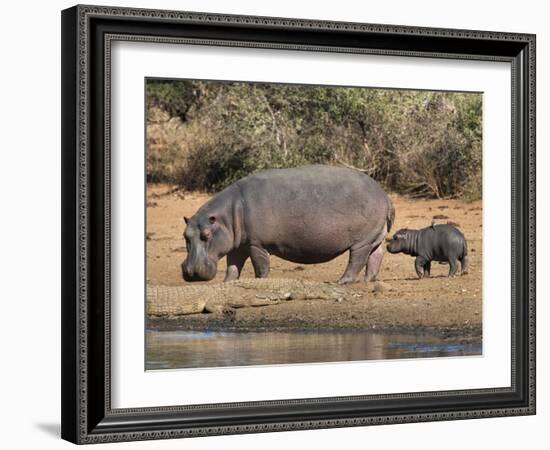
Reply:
x=307, y=215
x=434, y=243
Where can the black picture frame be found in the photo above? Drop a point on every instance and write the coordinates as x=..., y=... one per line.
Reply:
x=87, y=32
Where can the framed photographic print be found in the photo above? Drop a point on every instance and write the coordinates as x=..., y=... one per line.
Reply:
x=281, y=224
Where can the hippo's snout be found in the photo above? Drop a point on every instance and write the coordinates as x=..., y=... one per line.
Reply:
x=392, y=247
x=203, y=272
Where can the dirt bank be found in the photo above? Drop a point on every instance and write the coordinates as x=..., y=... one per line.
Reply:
x=401, y=301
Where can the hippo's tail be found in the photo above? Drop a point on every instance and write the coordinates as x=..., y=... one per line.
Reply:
x=391, y=215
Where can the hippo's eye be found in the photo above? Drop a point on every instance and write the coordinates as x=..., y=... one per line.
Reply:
x=211, y=219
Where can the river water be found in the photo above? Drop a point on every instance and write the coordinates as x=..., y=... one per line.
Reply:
x=200, y=349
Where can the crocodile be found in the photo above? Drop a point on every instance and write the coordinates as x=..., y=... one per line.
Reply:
x=171, y=301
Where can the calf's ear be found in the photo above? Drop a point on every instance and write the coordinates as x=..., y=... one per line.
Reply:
x=186, y=220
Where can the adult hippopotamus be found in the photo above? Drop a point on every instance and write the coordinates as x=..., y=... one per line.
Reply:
x=307, y=215
x=435, y=243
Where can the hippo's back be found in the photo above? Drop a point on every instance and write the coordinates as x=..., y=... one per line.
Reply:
x=316, y=210
x=310, y=184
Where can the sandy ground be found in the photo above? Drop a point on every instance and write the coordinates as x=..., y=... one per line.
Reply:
x=435, y=303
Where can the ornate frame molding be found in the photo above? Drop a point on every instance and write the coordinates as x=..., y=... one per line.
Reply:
x=84, y=423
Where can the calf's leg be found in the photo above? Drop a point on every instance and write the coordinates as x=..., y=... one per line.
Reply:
x=464, y=265
x=427, y=268
x=419, y=263
x=453, y=267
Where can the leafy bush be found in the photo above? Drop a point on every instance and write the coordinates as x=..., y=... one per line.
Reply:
x=205, y=135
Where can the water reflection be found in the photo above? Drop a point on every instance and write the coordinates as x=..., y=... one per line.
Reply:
x=194, y=349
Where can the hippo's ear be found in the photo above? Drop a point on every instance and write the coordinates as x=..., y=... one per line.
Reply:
x=186, y=220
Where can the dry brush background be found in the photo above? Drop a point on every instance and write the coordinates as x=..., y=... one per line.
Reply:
x=203, y=135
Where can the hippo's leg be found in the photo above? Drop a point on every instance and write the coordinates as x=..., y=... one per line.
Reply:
x=373, y=263
x=453, y=266
x=464, y=265
x=358, y=257
x=427, y=268
x=419, y=263
x=260, y=261
x=235, y=262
